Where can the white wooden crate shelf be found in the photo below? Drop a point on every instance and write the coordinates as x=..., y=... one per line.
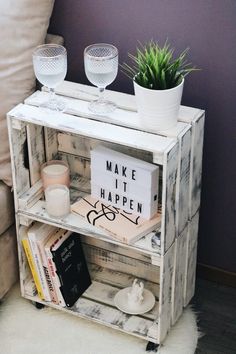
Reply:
x=38, y=135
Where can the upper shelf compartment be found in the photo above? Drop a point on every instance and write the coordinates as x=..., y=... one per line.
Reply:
x=135, y=139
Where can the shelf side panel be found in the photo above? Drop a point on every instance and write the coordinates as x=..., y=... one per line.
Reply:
x=166, y=280
x=177, y=302
x=36, y=150
x=183, y=181
x=191, y=259
x=19, y=158
x=169, y=198
x=196, y=165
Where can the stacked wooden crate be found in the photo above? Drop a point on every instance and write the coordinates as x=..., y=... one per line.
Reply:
x=168, y=270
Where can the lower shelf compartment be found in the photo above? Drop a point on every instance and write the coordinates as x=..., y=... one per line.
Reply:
x=97, y=304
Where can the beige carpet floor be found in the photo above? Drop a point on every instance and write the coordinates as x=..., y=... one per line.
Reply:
x=27, y=330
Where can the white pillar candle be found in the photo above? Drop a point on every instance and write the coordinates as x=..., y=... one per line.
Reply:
x=57, y=200
x=55, y=172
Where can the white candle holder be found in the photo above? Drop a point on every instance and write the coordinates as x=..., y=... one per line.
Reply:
x=57, y=199
x=55, y=172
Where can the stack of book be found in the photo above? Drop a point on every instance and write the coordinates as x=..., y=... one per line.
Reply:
x=57, y=263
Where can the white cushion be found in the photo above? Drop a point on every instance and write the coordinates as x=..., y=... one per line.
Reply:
x=23, y=26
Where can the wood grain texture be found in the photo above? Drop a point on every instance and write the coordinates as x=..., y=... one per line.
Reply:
x=183, y=181
x=36, y=151
x=50, y=143
x=119, y=279
x=123, y=100
x=122, y=263
x=168, y=226
x=31, y=196
x=99, y=130
x=196, y=165
x=191, y=259
x=166, y=283
x=179, y=275
x=19, y=159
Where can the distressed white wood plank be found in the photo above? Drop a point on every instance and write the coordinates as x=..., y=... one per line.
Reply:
x=166, y=280
x=123, y=100
x=94, y=129
x=36, y=151
x=25, y=221
x=189, y=114
x=119, y=279
x=81, y=146
x=17, y=124
x=183, y=181
x=80, y=184
x=114, y=318
x=88, y=93
x=51, y=144
x=77, y=224
x=79, y=166
x=31, y=196
x=21, y=232
x=179, y=275
x=122, y=263
x=120, y=117
x=191, y=259
x=146, y=243
x=18, y=150
x=196, y=165
x=110, y=247
x=168, y=226
x=105, y=315
x=104, y=293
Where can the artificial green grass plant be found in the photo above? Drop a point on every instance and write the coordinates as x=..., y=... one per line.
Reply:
x=155, y=68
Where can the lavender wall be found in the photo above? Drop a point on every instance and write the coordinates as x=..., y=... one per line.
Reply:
x=208, y=27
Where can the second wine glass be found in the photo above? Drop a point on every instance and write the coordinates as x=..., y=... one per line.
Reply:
x=101, y=67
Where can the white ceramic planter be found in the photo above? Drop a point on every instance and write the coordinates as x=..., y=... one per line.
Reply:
x=158, y=109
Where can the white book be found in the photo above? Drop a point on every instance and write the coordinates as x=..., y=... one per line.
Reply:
x=37, y=233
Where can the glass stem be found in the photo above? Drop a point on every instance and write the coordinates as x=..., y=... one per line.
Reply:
x=52, y=94
x=101, y=94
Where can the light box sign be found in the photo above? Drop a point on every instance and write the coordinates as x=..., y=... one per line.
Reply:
x=124, y=181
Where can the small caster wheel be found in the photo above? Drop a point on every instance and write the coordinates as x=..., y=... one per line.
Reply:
x=152, y=347
x=38, y=305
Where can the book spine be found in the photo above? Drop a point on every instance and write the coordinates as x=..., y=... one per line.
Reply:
x=39, y=267
x=32, y=265
x=54, y=277
x=48, y=277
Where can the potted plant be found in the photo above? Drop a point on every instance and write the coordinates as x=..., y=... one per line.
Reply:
x=158, y=84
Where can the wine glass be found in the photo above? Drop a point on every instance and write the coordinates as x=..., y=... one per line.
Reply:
x=101, y=67
x=50, y=67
